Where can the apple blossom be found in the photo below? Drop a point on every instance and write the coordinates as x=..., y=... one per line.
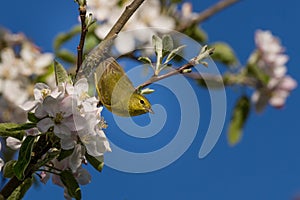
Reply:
x=1, y=164
x=148, y=15
x=13, y=143
x=272, y=61
x=17, y=65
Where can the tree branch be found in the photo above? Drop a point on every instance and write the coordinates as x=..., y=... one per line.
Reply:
x=204, y=53
x=128, y=12
x=221, y=5
x=82, y=14
x=40, y=148
x=227, y=79
x=171, y=73
x=97, y=54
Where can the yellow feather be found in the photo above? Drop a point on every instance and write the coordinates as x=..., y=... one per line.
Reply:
x=116, y=92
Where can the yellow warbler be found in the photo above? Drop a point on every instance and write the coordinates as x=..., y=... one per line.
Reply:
x=116, y=92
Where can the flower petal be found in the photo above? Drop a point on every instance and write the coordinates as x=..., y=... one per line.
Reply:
x=50, y=105
x=288, y=83
x=13, y=143
x=29, y=105
x=45, y=124
x=83, y=176
x=39, y=91
x=67, y=143
x=76, y=158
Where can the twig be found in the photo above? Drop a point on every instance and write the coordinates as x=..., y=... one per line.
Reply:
x=97, y=55
x=204, y=53
x=171, y=73
x=12, y=184
x=128, y=12
x=82, y=13
x=213, y=81
x=221, y=5
x=227, y=79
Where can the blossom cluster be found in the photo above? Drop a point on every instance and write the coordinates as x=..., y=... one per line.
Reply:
x=20, y=62
x=73, y=116
x=148, y=15
x=272, y=62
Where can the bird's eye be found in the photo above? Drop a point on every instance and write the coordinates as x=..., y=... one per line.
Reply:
x=142, y=101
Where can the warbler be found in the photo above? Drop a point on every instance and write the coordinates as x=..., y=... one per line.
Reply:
x=116, y=92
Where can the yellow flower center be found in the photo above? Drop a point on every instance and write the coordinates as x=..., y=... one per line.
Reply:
x=58, y=118
x=45, y=92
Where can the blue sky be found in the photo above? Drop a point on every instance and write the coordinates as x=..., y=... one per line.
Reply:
x=265, y=165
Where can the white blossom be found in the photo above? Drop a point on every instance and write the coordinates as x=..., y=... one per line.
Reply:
x=148, y=15
x=72, y=162
x=187, y=13
x=75, y=160
x=72, y=113
x=16, y=69
x=9, y=65
x=95, y=141
x=1, y=164
x=13, y=143
x=66, y=110
x=41, y=91
x=272, y=61
x=14, y=92
x=34, y=61
x=60, y=114
x=83, y=176
x=281, y=91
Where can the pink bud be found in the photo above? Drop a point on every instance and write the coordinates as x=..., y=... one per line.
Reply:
x=288, y=83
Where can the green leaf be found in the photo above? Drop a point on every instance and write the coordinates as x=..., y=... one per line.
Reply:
x=239, y=117
x=24, y=157
x=146, y=91
x=32, y=118
x=19, y=127
x=65, y=37
x=61, y=74
x=71, y=184
x=197, y=33
x=97, y=163
x=16, y=127
x=223, y=53
x=174, y=53
x=158, y=46
x=64, y=153
x=20, y=191
x=259, y=74
x=66, y=56
x=145, y=60
x=168, y=44
x=14, y=130
x=8, y=169
x=254, y=70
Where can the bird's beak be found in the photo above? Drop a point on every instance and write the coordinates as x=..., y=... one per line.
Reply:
x=150, y=110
